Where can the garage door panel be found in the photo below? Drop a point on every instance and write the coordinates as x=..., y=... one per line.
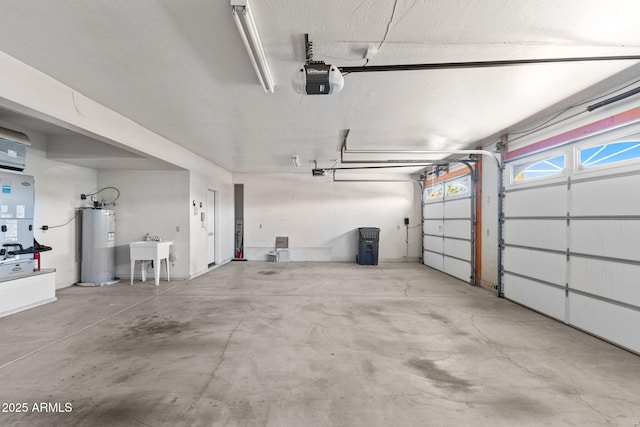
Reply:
x=433, y=260
x=540, y=297
x=433, y=227
x=610, y=321
x=457, y=268
x=611, y=280
x=610, y=196
x=449, y=219
x=548, y=234
x=433, y=243
x=545, y=201
x=433, y=210
x=545, y=266
x=457, y=248
x=607, y=238
x=458, y=228
x=458, y=208
x=595, y=253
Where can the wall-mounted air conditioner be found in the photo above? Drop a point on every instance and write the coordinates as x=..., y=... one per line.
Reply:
x=13, y=149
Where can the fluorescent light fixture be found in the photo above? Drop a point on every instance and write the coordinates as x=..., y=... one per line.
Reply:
x=251, y=40
x=296, y=160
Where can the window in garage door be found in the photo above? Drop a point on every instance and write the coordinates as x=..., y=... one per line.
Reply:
x=605, y=154
x=571, y=232
x=539, y=169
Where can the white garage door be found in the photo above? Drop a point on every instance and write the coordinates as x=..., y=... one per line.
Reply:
x=572, y=232
x=448, y=227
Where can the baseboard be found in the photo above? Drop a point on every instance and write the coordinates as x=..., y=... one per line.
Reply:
x=27, y=307
x=213, y=267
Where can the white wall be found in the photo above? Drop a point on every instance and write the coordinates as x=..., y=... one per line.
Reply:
x=154, y=202
x=57, y=194
x=320, y=217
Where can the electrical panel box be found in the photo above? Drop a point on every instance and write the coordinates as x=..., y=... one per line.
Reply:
x=16, y=223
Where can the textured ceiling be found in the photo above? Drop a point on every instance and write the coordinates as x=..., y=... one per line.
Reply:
x=179, y=68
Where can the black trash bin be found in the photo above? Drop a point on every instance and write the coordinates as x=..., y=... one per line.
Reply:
x=368, y=242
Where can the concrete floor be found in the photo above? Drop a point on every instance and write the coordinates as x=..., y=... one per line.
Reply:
x=307, y=344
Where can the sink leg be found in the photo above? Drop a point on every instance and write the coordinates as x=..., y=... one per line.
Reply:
x=156, y=270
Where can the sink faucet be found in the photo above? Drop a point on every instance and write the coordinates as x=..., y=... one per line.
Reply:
x=150, y=238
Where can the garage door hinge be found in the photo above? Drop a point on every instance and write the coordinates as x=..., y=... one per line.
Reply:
x=568, y=254
x=568, y=218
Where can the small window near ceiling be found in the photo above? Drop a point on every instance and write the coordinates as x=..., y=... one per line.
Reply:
x=434, y=192
x=458, y=187
x=609, y=153
x=539, y=169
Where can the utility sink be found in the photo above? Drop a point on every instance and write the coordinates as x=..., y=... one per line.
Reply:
x=155, y=251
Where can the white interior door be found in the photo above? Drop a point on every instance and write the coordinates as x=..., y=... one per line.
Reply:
x=211, y=227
